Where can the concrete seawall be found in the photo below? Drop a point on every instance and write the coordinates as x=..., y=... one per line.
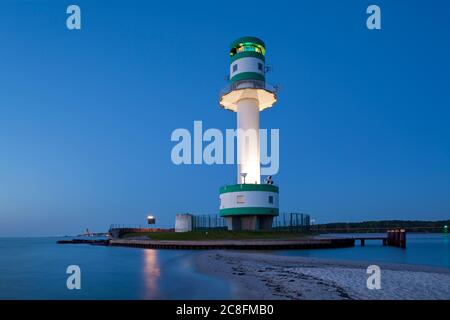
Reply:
x=236, y=244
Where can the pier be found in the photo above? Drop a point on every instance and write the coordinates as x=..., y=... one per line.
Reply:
x=311, y=243
x=396, y=238
x=118, y=232
x=363, y=240
x=221, y=244
x=104, y=242
x=393, y=238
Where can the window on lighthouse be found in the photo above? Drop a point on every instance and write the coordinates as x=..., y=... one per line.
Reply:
x=248, y=46
x=235, y=66
x=260, y=66
x=240, y=199
x=271, y=199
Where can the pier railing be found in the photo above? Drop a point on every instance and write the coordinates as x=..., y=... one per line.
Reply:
x=349, y=229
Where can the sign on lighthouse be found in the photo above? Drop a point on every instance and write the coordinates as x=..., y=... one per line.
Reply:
x=248, y=204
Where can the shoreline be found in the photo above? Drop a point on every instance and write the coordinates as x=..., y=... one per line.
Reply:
x=269, y=276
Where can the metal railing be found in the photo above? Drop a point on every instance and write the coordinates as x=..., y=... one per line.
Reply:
x=249, y=84
x=295, y=222
x=208, y=222
x=130, y=226
x=298, y=222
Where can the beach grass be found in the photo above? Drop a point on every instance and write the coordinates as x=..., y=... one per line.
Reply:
x=218, y=235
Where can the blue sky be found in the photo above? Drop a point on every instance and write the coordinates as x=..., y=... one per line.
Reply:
x=86, y=116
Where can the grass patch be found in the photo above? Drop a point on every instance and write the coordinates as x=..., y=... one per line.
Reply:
x=218, y=235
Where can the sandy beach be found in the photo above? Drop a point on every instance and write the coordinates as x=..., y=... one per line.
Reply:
x=269, y=276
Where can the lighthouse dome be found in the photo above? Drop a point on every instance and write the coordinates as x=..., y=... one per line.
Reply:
x=247, y=60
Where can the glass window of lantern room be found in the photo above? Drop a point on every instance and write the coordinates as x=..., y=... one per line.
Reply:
x=249, y=48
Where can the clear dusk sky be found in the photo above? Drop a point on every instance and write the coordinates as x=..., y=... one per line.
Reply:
x=86, y=116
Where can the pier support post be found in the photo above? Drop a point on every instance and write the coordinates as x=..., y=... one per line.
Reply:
x=396, y=238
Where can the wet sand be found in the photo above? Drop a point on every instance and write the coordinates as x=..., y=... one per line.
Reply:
x=269, y=276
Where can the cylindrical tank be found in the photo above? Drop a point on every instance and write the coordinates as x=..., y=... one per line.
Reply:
x=183, y=222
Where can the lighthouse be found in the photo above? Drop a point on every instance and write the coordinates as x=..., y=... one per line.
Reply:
x=248, y=204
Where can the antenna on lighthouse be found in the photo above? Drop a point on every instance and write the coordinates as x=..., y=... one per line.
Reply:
x=243, y=175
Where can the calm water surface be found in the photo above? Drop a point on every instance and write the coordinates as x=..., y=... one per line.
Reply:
x=35, y=268
x=422, y=249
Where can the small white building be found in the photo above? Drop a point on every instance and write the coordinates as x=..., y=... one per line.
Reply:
x=183, y=222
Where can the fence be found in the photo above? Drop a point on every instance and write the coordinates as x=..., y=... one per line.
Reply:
x=208, y=222
x=296, y=222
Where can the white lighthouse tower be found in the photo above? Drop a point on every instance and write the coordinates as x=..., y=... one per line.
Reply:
x=248, y=204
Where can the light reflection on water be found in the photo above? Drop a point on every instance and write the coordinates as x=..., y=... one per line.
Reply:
x=151, y=273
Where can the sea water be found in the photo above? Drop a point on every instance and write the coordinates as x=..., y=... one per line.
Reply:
x=431, y=249
x=35, y=268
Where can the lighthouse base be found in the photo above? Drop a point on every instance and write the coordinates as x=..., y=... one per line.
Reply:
x=249, y=206
x=250, y=222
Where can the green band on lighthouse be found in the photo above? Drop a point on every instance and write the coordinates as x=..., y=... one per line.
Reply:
x=245, y=54
x=249, y=211
x=248, y=76
x=248, y=187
